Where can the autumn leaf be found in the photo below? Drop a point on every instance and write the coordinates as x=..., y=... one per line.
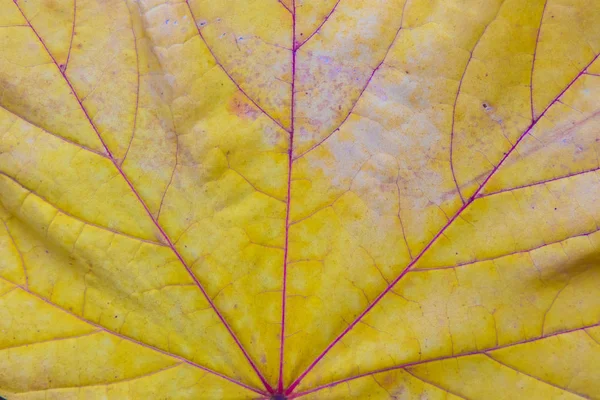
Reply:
x=335, y=199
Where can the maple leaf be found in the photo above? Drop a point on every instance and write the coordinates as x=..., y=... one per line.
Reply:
x=299, y=199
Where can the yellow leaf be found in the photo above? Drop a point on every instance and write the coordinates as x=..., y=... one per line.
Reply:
x=282, y=199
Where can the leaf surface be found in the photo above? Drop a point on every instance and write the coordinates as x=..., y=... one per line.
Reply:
x=296, y=199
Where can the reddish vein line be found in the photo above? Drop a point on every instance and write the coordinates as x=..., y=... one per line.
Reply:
x=137, y=95
x=530, y=185
x=440, y=233
x=284, y=6
x=64, y=139
x=295, y=48
x=434, y=384
x=130, y=339
x=362, y=90
x=416, y=363
x=14, y=243
x=72, y=34
x=46, y=341
x=535, y=377
x=227, y=72
x=460, y=83
x=318, y=27
x=83, y=221
x=481, y=260
x=162, y=232
x=537, y=41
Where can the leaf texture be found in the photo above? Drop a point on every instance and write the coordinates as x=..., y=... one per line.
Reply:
x=281, y=199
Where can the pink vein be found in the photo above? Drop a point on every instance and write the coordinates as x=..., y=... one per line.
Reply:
x=558, y=178
x=162, y=232
x=280, y=387
x=318, y=28
x=534, y=377
x=465, y=264
x=460, y=83
x=440, y=233
x=49, y=340
x=162, y=199
x=64, y=139
x=137, y=95
x=362, y=90
x=72, y=35
x=433, y=384
x=130, y=339
x=228, y=74
x=115, y=382
x=61, y=211
x=284, y=6
x=537, y=41
x=14, y=243
x=415, y=363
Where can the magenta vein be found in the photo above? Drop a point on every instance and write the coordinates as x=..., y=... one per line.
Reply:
x=284, y=6
x=535, y=377
x=64, y=139
x=543, y=182
x=280, y=383
x=72, y=35
x=22, y=259
x=362, y=90
x=150, y=215
x=537, y=41
x=460, y=83
x=83, y=221
x=228, y=74
x=416, y=363
x=318, y=28
x=465, y=264
x=440, y=233
x=137, y=96
x=130, y=339
x=433, y=384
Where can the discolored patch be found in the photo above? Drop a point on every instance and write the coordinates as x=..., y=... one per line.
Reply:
x=241, y=107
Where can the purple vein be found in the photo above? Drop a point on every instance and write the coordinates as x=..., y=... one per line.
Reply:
x=115, y=382
x=227, y=72
x=137, y=95
x=588, y=171
x=284, y=6
x=162, y=199
x=280, y=382
x=537, y=41
x=164, y=195
x=83, y=221
x=534, y=377
x=399, y=214
x=460, y=83
x=21, y=258
x=318, y=27
x=64, y=139
x=362, y=90
x=130, y=339
x=59, y=339
x=433, y=384
x=591, y=337
x=150, y=215
x=465, y=264
x=421, y=362
x=72, y=35
x=435, y=238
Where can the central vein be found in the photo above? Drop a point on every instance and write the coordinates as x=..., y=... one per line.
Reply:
x=280, y=388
